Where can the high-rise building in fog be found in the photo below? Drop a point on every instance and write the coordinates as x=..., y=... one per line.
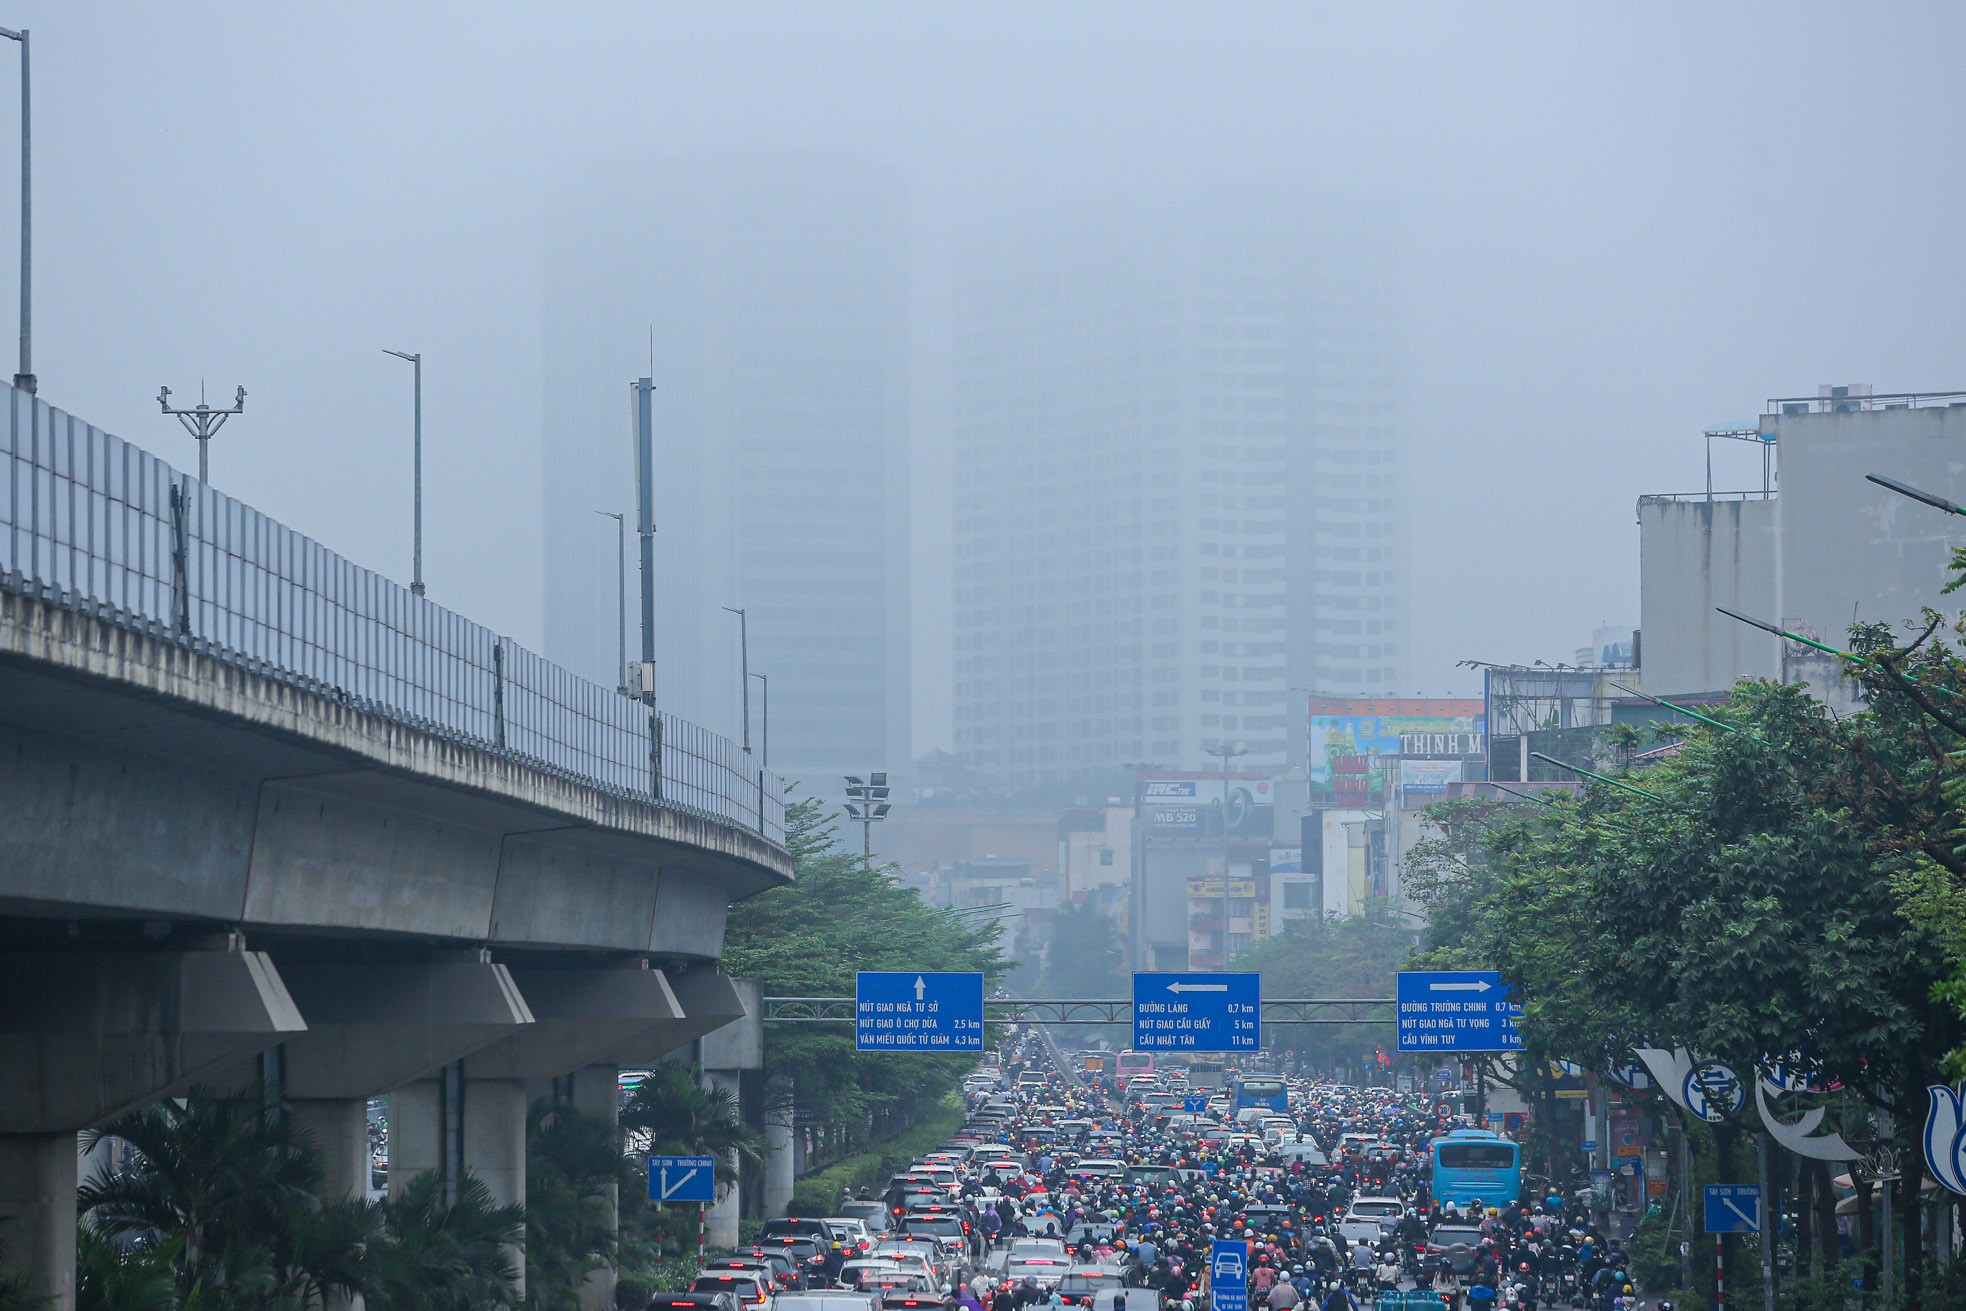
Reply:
x=775, y=286
x=1177, y=476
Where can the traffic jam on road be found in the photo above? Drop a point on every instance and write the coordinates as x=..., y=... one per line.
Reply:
x=1131, y=1182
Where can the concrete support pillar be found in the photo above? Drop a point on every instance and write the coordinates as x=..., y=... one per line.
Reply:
x=37, y=1198
x=495, y=1147
x=416, y=1132
x=779, y=1162
x=597, y=1092
x=339, y=1127
x=729, y=1206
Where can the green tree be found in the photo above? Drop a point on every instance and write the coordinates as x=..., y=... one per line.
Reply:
x=1353, y=956
x=235, y=1191
x=574, y=1171
x=439, y=1257
x=1742, y=905
x=841, y=915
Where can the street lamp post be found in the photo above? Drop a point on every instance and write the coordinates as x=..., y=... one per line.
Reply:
x=202, y=422
x=620, y=593
x=24, y=379
x=1227, y=753
x=764, y=719
x=744, y=657
x=416, y=546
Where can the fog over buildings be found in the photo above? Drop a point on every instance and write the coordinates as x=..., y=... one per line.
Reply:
x=1178, y=460
x=1588, y=235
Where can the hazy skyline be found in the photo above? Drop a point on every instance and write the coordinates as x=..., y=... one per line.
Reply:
x=1620, y=227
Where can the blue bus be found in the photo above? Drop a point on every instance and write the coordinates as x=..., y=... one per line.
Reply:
x=1475, y=1165
x=1267, y=1091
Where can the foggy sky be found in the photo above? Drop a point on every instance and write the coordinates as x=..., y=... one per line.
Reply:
x=1621, y=227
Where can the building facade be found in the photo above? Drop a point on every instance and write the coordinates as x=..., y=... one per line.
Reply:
x=766, y=293
x=1177, y=447
x=1816, y=549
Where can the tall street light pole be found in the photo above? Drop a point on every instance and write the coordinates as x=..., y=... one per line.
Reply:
x=764, y=718
x=24, y=380
x=620, y=594
x=416, y=548
x=1228, y=753
x=744, y=655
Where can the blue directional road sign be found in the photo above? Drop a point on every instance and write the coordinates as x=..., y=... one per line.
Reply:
x=1195, y=1103
x=1198, y=1012
x=1455, y=1011
x=682, y=1178
x=909, y=1011
x=1228, y=1276
x=1733, y=1208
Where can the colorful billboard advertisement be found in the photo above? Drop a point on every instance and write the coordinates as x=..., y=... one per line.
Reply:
x=1356, y=736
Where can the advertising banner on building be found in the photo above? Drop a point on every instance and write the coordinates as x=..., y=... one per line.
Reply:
x=1427, y=778
x=1355, y=736
x=1190, y=807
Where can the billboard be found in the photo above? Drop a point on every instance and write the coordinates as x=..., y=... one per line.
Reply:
x=1359, y=737
x=1427, y=778
x=1190, y=807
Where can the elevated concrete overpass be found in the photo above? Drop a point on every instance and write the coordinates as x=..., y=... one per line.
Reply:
x=272, y=820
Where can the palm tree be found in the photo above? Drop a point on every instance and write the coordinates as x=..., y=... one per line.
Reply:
x=111, y=1277
x=233, y=1188
x=574, y=1172
x=444, y=1258
x=673, y=1113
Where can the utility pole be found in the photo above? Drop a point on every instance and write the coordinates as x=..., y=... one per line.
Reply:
x=744, y=655
x=24, y=380
x=620, y=594
x=1227, y=752
x=202, y=422
x=416, y=483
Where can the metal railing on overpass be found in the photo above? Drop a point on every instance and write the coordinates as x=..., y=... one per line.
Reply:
x=91, y=523
x=1093, y=1010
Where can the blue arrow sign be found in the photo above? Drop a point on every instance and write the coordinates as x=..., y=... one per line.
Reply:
x=911, y=1011
x=1733, y=1208
x=1228, y=1276
x=1198, y=1012
x=682, y=1178
x=1195, y=1103
x=1456, y=1011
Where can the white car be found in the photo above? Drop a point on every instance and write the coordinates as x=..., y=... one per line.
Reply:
x=1367, y=1217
